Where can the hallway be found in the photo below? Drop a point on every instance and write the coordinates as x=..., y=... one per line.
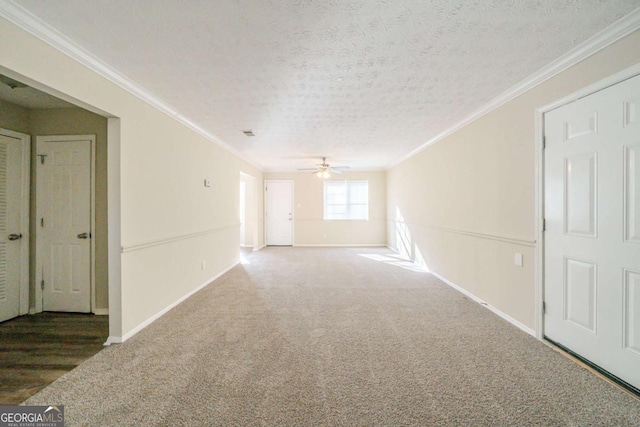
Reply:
x=334, y=336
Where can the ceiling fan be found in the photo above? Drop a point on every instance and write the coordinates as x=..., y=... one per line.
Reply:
x=323, y=169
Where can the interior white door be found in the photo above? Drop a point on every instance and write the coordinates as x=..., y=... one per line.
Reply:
x=12, y=225
x=64, y=229
x=279, y=215
x=592, y=238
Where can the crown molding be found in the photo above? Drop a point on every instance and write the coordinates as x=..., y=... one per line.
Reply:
x=619, y=29
x=38, y=28
x=33, y=25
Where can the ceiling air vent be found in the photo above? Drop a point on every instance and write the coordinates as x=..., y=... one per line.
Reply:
x=248, y=132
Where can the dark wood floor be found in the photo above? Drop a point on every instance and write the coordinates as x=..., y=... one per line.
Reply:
x=36, y=350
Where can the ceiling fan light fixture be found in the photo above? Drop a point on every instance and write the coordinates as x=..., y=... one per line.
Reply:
x=323, y=170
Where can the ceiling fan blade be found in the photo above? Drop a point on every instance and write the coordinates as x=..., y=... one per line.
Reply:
x=325, y=167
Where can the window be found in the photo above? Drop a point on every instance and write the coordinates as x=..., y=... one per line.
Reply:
x=346, y=200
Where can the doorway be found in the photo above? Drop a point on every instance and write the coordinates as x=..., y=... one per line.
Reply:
x=248, y=212
x=28, y=107
x=592, y=228
x=279, y=212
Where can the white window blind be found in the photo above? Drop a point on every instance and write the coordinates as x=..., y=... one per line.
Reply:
x=346, y=200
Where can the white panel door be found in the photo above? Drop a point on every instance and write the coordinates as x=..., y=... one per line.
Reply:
x=64, y=231
x=592, y=239
x=12, y=229
x=279, y=215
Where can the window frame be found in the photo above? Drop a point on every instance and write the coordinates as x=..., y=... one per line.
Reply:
x=347, y=183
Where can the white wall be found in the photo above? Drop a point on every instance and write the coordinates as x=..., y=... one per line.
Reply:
x=310, y=228
x=467, y=203
x=170, y=222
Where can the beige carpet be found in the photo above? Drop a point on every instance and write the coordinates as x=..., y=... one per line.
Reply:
x=328, y=337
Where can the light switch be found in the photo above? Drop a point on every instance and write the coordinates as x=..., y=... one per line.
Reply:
x=517, y=259
x=207, y=183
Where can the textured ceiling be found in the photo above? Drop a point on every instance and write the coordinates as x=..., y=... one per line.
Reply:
x=362, y=82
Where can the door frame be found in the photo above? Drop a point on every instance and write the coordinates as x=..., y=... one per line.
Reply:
x=114, y=200
x=252, y=190
x=242, y=207
x=25, y=180
x=540, y=176
x=293, y=205
x=92, y=207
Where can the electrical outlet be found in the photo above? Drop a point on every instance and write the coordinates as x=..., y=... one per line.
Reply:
x=203, y=265
x=207, y=183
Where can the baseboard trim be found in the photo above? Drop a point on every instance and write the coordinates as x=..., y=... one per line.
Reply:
x=486, y=305
x=256, y=249
x=101, y=312
x=112, y=340
x=150, y=320
x=350, y=245
x=480, y=301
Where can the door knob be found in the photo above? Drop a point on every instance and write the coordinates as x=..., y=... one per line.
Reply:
x=83, y=236
x=15, y=236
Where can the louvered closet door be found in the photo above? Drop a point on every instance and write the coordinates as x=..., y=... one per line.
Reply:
x=592, y=239
x=10, y=223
